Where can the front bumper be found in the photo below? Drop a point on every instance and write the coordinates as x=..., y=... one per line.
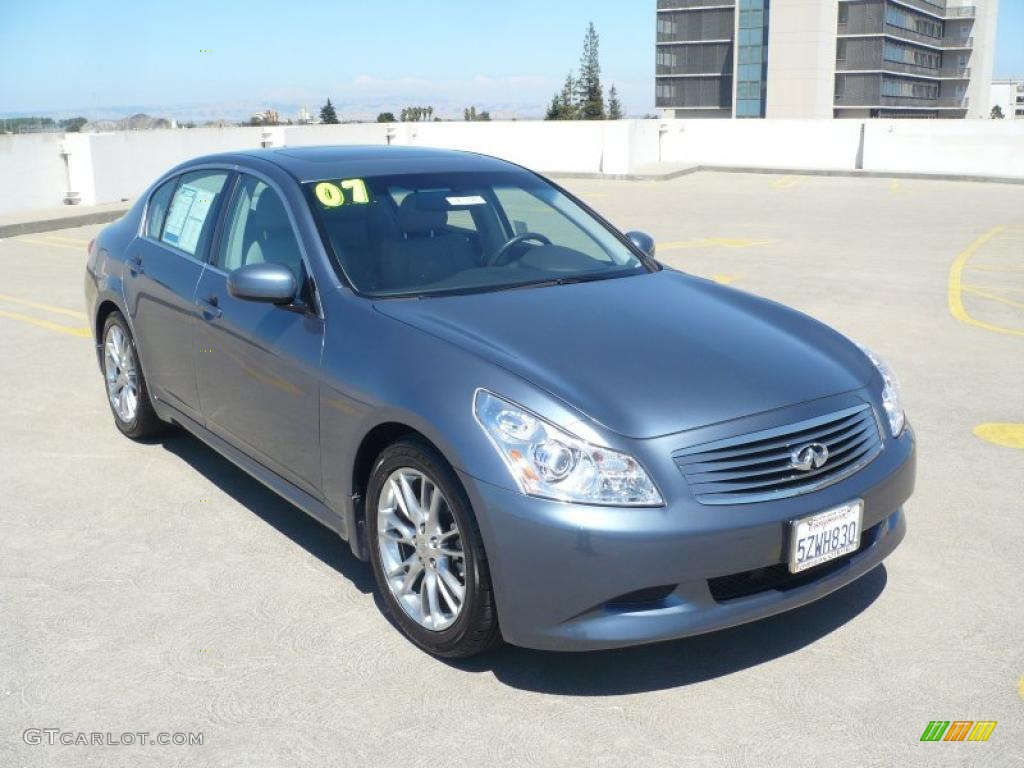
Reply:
x=560, y=570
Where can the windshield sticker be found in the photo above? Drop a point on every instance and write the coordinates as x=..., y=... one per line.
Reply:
x=471, y=200
x=336, y=194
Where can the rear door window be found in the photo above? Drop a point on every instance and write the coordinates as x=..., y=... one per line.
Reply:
x=192, y=213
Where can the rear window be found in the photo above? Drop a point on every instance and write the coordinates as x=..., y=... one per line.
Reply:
x=157, y=211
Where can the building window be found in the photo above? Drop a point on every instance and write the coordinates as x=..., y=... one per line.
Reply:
x=909, y=89
x=752, y=58
x=917, y=56
x=898, y=17
x=844, y=13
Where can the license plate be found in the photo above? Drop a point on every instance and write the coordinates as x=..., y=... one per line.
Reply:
x=825, y=536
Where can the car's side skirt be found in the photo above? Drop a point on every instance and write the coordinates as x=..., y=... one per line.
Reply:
x=289, y=492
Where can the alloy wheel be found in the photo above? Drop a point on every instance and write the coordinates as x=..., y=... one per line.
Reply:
x=421, y=549
x=121, y=374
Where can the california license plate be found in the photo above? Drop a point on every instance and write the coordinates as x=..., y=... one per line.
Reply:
x=825, y=536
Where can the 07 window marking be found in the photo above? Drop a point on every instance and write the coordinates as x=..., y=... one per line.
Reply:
x=332, y=195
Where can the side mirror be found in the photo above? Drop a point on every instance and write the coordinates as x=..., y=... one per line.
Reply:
x=643, y=241
x=267, y=282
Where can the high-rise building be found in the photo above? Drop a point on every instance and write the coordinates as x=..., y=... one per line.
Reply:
x=825, y=58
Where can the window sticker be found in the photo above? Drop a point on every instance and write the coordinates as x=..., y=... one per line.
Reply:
x=471, y=200
x=333, y=194
x=185, y=220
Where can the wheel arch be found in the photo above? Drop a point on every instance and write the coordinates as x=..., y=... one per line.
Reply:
x=106, y=308
x=370, y=447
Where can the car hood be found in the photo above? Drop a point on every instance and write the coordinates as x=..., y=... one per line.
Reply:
x=651, y=354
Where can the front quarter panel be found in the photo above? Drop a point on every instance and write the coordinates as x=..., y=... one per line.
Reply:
x=377, y=370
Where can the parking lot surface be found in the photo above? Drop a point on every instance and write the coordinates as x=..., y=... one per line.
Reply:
x=156, y=588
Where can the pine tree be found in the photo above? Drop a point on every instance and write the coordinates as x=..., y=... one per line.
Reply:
x=589, y=94
x=614, y=105
x=327, y=114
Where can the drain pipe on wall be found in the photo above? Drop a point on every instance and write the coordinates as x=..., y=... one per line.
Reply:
x=70, y=196
x=859, y=163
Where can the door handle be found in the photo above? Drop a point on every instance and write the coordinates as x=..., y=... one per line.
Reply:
x=209, y=306
x=135, y=266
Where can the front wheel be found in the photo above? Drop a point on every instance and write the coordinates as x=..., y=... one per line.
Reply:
x=127, y=392
x=428, y=557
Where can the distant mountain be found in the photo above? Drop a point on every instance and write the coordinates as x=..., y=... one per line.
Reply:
x=138, y=122
x=113, y=117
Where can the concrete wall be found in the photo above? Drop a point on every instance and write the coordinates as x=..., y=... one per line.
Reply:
x=105, y=168
x=968, y=147
x=798, y=144
x=125, y=163
x=31, y=172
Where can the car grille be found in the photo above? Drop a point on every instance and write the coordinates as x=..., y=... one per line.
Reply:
x=757, y=466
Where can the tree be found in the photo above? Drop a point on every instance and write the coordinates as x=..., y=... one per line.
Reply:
x=997, y=112
x=73, y=124
x=614, y=105
x=589, y=94
x=416, y=114
x=563, y=105
x=386, y=117
x=470, y=115
x=327, y=114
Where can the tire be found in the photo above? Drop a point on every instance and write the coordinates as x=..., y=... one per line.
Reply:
x=473, y=628
x=123, y=373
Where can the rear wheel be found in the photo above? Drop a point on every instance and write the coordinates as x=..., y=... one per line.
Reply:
x=127, y=392
x=428, y=557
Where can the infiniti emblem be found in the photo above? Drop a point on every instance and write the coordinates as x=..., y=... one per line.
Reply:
x=808, y=457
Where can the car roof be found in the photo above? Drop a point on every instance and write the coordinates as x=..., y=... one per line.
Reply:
x=335, y=162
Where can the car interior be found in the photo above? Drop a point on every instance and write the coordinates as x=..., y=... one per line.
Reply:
x=405, y=239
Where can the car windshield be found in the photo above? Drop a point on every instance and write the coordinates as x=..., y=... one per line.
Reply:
x=444, y=233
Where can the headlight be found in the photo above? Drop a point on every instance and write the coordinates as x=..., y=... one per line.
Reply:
x=891, y=400
x=549, y=462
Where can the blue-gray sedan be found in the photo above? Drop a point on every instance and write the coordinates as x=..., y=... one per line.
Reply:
x=529, y=427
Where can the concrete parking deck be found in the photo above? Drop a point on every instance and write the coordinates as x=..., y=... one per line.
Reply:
x=154, y=587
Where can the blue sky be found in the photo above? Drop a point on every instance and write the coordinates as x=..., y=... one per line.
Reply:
x=58, y=55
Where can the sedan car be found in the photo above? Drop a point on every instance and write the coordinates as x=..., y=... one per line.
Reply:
x=530, y=428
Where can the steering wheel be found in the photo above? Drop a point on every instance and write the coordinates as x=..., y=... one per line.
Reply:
x=500, y=257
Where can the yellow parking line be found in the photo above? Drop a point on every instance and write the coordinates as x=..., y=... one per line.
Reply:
x=996, y=268
x=993, y=296
x=995, y=288
x=1005, y=434
x=63, y=238
x=954, y=294
x=75, y=248
x=46, y=307
x=787, y=182
x=81, y=332
x=895, y=186
x=725, y=279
